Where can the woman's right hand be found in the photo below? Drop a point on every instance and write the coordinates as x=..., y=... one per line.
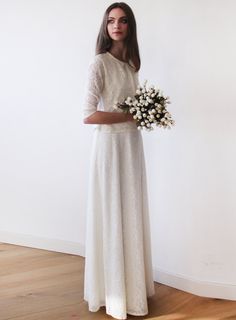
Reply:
x=129, y=117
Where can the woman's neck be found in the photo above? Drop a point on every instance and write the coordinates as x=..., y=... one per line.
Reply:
x=118, y=50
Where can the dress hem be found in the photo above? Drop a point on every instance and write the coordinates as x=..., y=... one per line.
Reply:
x=116, y=317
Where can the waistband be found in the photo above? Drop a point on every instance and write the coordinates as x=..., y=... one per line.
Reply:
x=117, y=127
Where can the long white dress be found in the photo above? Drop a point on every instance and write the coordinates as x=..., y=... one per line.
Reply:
x=118, y=264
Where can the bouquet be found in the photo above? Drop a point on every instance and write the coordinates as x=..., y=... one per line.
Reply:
x=148, y=108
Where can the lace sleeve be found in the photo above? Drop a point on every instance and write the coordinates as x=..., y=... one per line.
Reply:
x=94, y=87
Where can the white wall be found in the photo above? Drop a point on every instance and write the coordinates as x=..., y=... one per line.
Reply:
x=187, y=48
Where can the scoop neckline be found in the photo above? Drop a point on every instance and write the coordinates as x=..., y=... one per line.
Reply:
x=120, y=61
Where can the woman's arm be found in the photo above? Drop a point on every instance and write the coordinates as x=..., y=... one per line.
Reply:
x=101, y=117
x=95, y=86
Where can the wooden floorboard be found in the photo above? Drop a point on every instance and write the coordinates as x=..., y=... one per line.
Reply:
x=44, y=285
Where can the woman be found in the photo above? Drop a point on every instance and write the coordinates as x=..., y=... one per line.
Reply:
x=118, y=266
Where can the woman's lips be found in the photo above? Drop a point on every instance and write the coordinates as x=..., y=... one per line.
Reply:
x=117, y=32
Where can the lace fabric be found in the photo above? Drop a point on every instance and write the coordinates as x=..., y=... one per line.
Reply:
x=118, y=264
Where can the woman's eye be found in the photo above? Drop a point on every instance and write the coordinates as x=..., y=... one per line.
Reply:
x=123, y=21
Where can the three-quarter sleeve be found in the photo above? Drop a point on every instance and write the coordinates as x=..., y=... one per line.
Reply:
x=94, y=88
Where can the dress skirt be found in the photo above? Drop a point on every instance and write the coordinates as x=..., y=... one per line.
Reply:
x=118, y=264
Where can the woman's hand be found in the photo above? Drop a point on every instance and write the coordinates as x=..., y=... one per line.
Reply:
x=130, y=117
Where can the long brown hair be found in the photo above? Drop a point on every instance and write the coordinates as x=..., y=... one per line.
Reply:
x=104, y=41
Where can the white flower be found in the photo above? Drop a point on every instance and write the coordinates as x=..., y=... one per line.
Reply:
x=148, y=107
x=128, y=100
x=144, y=82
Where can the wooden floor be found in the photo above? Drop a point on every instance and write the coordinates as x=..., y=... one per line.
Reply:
x=44, y=285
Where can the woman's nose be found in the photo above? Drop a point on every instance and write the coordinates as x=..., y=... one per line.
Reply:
x=116, y=24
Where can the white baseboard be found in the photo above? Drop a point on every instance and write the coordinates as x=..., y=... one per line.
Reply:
x=195, y=286
x=181, y=282
x=42, y=243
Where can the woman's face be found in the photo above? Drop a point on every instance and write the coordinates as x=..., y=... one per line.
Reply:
x=117, y=24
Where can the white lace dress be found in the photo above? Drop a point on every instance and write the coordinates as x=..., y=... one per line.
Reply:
x=118, y=264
